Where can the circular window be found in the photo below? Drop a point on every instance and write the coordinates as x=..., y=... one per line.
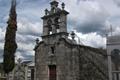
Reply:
x=115, y=54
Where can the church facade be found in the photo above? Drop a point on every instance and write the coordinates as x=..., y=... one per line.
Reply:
x=59, y=58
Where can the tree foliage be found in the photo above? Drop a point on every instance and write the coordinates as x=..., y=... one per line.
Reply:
x=10, y=45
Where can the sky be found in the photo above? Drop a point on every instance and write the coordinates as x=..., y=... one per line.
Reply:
x=90, y=19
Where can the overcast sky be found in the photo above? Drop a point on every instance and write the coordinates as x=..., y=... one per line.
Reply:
x=90, y=19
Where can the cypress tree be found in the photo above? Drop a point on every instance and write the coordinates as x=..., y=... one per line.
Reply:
x=10, y=45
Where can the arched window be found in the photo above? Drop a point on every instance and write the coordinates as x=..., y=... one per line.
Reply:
x=53, y=10
x=49, y=22
x=57, y=22
x=115, y=54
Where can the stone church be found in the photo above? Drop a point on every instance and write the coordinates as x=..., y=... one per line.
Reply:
x=59, y=58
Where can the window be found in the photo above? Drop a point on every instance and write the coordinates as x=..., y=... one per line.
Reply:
x=57, y=20
x=52, y=50
x=52, y=72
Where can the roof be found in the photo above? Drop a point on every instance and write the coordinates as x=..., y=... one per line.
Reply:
x=74, y=44
x=97, y=50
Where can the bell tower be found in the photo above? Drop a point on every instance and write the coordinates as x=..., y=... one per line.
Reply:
x=55, y=21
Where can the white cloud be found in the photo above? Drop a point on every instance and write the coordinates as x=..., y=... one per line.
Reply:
x=29, y=28
x=116, y=31
x=1, y=60
x=1, y=46
x=2, y=34
x=92, y=39
x=18, y=55
x=87, y=15
x=81, y=11
x=26, y=47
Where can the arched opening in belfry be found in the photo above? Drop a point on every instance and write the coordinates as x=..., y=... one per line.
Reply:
x=50, y=30
x=57, y=22
x=53, y=10
x=49, y=22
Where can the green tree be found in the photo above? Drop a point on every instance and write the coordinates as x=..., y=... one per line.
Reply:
x=10, y=45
